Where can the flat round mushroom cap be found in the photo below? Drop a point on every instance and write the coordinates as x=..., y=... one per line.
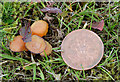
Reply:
x=39, y=28
x=48, y=49
x=82, y=49
x=18, y=45
x=37, y=45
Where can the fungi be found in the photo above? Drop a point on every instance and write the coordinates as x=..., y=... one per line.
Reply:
x=39, y=28
x=37, y=45
x=48, y=49
x=18, y=44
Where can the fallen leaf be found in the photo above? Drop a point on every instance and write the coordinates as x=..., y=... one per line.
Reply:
x=51, y=10
x=27, y=38
x=23, y=30
x=98, y=25
x=26, y=33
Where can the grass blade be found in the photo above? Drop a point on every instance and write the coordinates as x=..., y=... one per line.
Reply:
x=106, y=73
x=13, y=58
x=41, y=73
x=34, y=71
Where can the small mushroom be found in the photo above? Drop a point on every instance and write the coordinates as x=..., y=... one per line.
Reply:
x=37, y=45
x=18, y=44
x=48, y=49
x=39, y=28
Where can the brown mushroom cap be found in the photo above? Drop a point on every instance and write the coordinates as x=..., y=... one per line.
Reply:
x=39, y=28
x=37, y=45
x=18, y=44
x=48, y=49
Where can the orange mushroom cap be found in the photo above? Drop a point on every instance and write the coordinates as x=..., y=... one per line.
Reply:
x=18, y=44
x=39, y=28
x=37, y=45
x=48, y=49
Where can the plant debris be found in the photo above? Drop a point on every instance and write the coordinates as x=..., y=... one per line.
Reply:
x=98, y=25
x=48, y=18
x=51, y=10
x=26, y=33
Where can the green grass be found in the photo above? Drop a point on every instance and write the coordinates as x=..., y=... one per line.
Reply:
x=24, y=66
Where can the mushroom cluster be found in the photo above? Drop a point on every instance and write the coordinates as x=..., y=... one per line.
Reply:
x=37, y=45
